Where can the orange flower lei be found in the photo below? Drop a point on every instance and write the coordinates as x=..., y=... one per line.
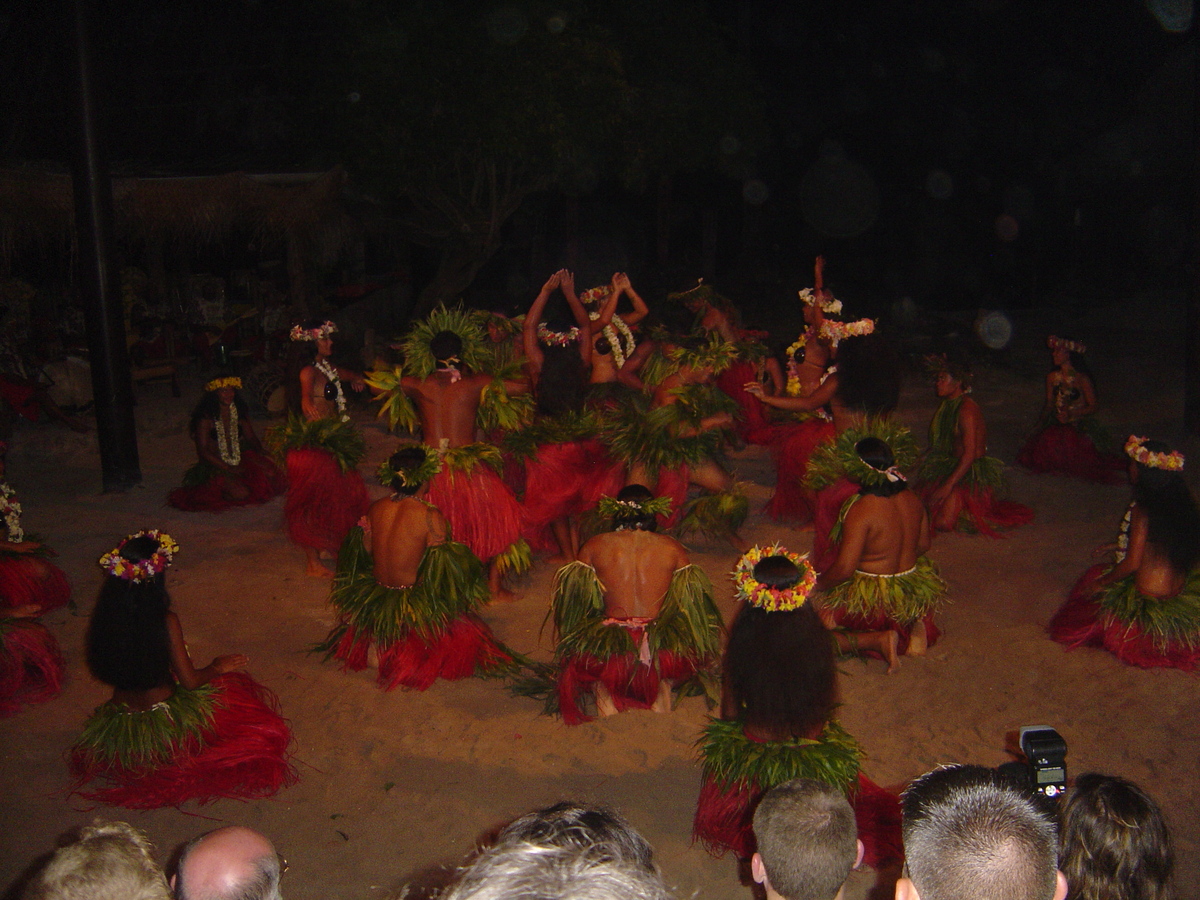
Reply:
x=769, y=598
x=115, y=564
x=1136, y=450
x=231, y=381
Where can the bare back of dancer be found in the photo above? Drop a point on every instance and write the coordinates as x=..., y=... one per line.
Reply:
x=447, y=407
x=635, y=568
x=881, y=536
x=402, y=529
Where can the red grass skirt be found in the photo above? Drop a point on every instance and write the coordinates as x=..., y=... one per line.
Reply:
x=673, y=483
x=483, y=513
x=792, y=451
x=632, y=684
x=1082, y=622
x=323, y=502
x=242, y=754
x=31, y=665
x=830, y=501
x=752, y=424
x=260, y=475
x=1066, y=450
x=417, y=661
x=26, y=578
x=564, y=480
x=982, y=510
x=725, y=819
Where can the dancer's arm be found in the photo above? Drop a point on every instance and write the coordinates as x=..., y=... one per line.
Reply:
x=818, y=398
x=181, y=661
x=640, y=309
x=529, y=339
x=967, y=431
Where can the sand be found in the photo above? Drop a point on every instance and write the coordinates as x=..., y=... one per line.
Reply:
x=396, y=787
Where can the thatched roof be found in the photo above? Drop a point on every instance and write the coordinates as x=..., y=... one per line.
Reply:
x=38, y=208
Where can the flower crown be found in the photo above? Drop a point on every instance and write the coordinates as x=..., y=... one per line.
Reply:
x=230, y=381
x=611, y=508
x=1135, y=449
x=417, y=475
x=320, y=333
x=557, y=338
x=809, y=298
x=763, y=596
x=596, y=294
x=1057, y=343
x=143, y=570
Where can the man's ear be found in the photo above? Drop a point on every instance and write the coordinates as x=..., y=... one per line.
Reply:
x=1060, y=889
x=906, y=890
x=759, y=871
x=859, y=858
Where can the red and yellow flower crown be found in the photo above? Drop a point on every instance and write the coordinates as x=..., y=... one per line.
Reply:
x=229, y=381
x=322, y=331
x=143, y=570
x=1135, y=449
x=770, y=598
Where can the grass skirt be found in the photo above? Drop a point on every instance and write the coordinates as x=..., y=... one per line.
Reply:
x=1076, y=450
x=739, y=770
x=421, y=633
x=482, y=511
x=795, y=446
x=566, y=479
x=31, y=578
x=204, y=485
x=1147, y=632
x=31, y=665
x=752, y=424
x=891, y=602
x=682, y=641
x=323, y=502
x=982, y=511
x=225, y=739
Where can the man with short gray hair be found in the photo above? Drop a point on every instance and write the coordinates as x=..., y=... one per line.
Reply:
x=971, y=833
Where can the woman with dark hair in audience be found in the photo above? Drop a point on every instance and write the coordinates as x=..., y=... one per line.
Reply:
x=171, y=732
x=1067, y=439
x=232, y=469
x=1113, y=842
x=1145, y=607
x=778, y=699
x=326, y=495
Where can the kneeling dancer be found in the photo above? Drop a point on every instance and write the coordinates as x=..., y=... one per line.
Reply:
x=779, y=695
x=407, y=592
x=881, y=583
x=1145, y=607
x=634, y=618
x=171, y=732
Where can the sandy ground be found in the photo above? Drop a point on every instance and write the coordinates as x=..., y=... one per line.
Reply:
x=397, y=786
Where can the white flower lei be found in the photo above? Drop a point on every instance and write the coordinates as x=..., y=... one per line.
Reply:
x=229, y=457
x=323, y=366
x=1123, y=535
x=11, y=510
x=622, y=346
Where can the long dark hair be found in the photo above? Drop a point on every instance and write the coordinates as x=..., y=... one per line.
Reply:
x=780, y=670
x=208, y=409
x=563, y=382
x=869, y=374
x=1114, y=842
x=1171, y=512
x=128, y=647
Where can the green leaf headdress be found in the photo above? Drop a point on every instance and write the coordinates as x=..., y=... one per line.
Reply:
x=413, y=476
x=419, y=361
x=611, y=508
x=712, y=352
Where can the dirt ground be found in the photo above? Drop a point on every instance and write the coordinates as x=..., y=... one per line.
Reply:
x=395, y=787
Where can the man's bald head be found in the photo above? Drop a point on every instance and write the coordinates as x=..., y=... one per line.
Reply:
x=232, y=863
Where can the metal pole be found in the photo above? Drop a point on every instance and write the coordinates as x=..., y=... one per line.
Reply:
x=99, y=285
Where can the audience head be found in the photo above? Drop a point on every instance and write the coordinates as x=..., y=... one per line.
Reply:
x=232, y=863
x=109, y=861
x=594, y=830
x=1114, y=842
x=971, y=833
x=521, y=869
x=807, y=842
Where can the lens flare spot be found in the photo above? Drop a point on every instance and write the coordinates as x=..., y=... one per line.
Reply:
x=1007, y=228
x=939, y=184
x=755, y=192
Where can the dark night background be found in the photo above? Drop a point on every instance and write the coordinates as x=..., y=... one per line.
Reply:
x=964, y=153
